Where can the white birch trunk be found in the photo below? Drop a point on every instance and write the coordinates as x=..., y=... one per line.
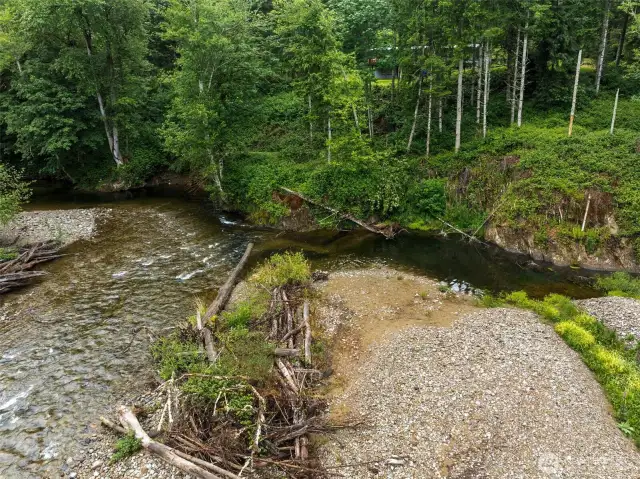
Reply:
x=415, y=114
x=523, y=72
x=19, y=67
x=615, y=109
x=459, y=105
x=429, y=116
x=440, y=115
x=117, y=156
x=479, y=91
x=575, y=92
x=603, y=45
x=514, y=88
x=487, y=77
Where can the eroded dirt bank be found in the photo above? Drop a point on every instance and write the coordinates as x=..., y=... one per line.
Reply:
x=481, y=393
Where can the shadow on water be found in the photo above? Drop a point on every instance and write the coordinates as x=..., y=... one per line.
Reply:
x=77, y=342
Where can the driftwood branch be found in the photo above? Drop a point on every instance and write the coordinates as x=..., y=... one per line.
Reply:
x=227, y=288
x=386, y=232
x=167, y=453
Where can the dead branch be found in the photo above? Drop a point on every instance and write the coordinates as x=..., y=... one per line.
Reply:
x=227, y=288
x=167, y=453
x=386, y=232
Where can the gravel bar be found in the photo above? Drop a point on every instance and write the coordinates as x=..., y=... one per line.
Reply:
x=620, y=314
x=497, y=395
x=65, y=226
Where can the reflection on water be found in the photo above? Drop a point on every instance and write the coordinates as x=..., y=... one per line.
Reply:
x=70, y=346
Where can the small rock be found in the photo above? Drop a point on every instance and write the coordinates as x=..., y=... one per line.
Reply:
x=73, y=475
x=96, y=464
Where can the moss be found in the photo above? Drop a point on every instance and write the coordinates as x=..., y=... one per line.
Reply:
x=126, y=447
x=577, y=337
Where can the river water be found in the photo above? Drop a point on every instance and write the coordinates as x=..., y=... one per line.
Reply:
x=74, y=344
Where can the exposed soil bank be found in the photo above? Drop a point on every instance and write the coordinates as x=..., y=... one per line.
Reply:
x=495, y=394
x=616, y=254
x=63, y=226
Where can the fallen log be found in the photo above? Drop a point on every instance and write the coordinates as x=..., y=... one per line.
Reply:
x=386, y=232
x=227, y=288
x=167, y=453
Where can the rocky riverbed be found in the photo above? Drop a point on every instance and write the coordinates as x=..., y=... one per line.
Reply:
x=63, y=226
x=619, y=314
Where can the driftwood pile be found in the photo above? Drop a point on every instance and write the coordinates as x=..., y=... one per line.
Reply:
x=276, y=444
x=18, y=272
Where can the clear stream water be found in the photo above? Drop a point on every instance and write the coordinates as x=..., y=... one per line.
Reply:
x=72, y=345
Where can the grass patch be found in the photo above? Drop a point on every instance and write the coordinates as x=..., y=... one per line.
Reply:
x=7, y=254
x=126, y=447
x=282, y=270
x=614, y=365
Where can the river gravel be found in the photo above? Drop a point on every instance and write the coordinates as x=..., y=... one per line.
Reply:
x=64, y=226
x=620, y=314
x=497, y=395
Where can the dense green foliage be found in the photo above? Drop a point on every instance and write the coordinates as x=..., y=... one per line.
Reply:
x=13, y=192
x=351, y=102
x=610, y=358
x=620, y=284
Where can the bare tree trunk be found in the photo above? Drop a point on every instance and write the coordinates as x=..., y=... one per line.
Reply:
x=487, y=78
x=19, y=67
x=523, y=72
x=603, y=45
x=329, y=138
x=415, y=114
x=353, y=106
x=586, y=213
x=459, y=104
x=575, y=92
x=429, y=116
x=615, y=109
x=479, y=91
x=440, y=115
x=117, y=156
x=370, y=121
x=514, y=88
x=623, y=34
x=473, y=73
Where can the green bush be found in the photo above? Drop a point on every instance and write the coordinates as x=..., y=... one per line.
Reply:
x=13, y=193
x=174, y=355
x=619, y=284
x=7, y=254
x=282, y=269
x=126, y=447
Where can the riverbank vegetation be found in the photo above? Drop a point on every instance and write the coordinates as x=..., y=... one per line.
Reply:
x=620, y=284
x=524, y=114
x=249, y=404
x=612, y=361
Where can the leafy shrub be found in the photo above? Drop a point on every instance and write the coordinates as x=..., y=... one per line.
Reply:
x=176, y=356
x=247, y=354
x=428, y=198
x=280, y=270
x=242, y=314
x=577, y=337
x=126, y=447
x=13, y=192
x=606, y=362
x=619, y=284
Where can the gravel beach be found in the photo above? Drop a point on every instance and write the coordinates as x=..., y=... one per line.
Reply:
x=498, y=395
x=620, y=314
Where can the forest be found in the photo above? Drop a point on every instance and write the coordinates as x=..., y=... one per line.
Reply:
x=408, y=112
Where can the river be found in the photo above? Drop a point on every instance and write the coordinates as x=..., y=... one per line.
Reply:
x=74, y=344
